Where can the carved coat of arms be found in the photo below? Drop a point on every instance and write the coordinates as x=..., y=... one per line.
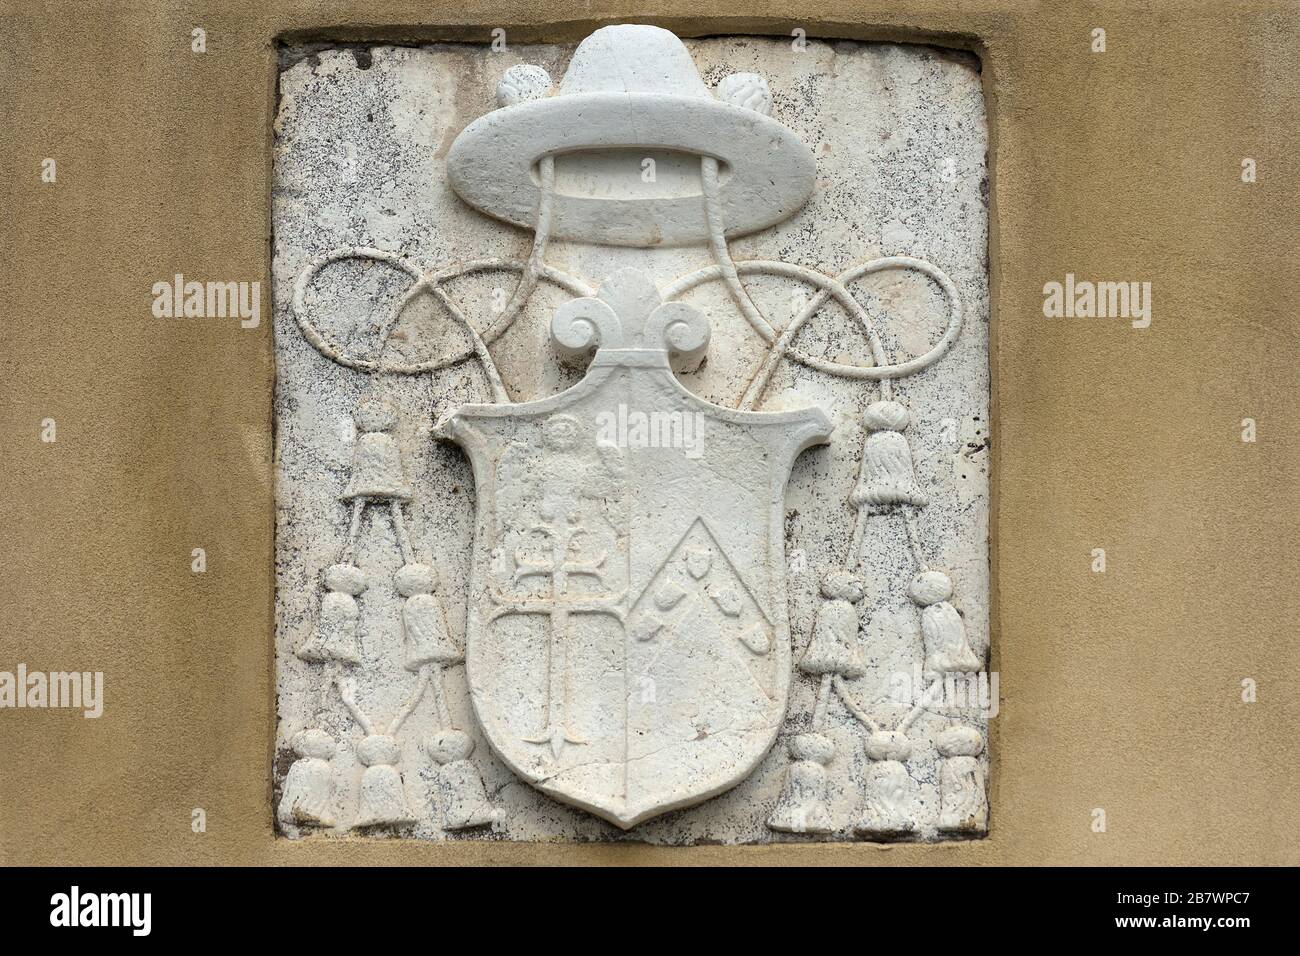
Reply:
x=625, y=620
x=627, y=646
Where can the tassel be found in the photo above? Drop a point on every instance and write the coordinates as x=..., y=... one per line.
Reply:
x=834, y=645
x=963, y=805
x=335, y=638
x=377, y=471
x=802, y=807
x=383, y=797
x=309, y=785
x=464, y=799
x=889, y=787
x=424, y=625
x=942, y=629
x=887, y=476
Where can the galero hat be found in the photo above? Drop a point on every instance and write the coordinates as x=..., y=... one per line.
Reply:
x=632, y=87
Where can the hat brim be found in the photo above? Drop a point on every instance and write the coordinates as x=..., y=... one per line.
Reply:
x=771, y=171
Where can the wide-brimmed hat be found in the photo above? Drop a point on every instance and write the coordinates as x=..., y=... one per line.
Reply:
x=630, y=87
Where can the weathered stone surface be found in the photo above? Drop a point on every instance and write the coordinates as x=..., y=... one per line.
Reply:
x=382, y=576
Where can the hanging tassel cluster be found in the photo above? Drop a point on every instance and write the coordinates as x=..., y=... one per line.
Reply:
x=887, y=476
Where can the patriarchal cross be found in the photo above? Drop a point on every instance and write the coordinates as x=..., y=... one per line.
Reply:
x=558, y=604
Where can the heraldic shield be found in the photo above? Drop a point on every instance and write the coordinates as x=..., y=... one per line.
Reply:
x=627, y=641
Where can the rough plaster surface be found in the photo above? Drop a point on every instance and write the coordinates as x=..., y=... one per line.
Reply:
x=1120, y=690
x=899, y=141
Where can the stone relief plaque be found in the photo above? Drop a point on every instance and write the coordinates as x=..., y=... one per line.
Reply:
x=631, y=440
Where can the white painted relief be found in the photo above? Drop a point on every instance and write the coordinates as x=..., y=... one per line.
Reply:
x=632, y=442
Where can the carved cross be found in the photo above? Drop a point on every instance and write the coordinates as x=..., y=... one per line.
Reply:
x=558, y=604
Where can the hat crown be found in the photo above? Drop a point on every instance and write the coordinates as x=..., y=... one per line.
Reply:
x=633, y=58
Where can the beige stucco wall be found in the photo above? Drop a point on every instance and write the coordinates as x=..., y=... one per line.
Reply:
x=1120, y=690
